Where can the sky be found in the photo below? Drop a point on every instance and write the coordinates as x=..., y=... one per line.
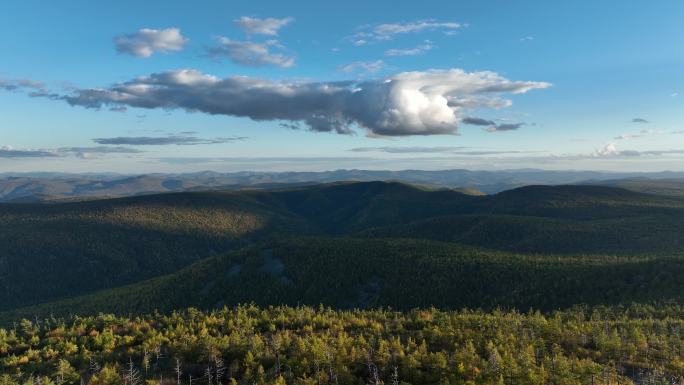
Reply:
x=135, y=86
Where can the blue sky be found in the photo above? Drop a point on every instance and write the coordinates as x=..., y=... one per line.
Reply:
x=377, y=85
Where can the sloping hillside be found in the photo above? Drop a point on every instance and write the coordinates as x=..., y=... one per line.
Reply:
x=665, y=186
x=53, y=251
x=402, y=274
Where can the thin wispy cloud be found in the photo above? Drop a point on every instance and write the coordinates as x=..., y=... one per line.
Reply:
x=146, y=42
x=439, y=99
x=179, y=140
x=362, y=66
x=409, y=150
x=94, y=152
x=251, y=54
x=470, y=151
x=662, y=152
x=418, y=50
x=269, y=26
x=639, y=120
x=642, y=133
x=611, y=150
x=264, y=163
x=388, y=31
x=627, y=136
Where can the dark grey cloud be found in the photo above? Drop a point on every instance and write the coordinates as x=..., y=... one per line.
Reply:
x=100, y=150
x=291, y=126
x=478, y=121
x=10, y=152
x=32, y=88
x=180, y=140
x=251, y=53
x=410, y=103
x=21, y=85
x=82, y=152
x=146, y=42
x=505, y=127
x=492, y=126
x=639, y=120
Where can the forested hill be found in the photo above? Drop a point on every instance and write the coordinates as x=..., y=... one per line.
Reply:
x=398, y=273
x=57, y=251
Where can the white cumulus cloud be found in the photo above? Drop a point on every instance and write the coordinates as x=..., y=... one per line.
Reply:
x=251, y=53
x=268, y=26
x=410, y=103
x=146, y=42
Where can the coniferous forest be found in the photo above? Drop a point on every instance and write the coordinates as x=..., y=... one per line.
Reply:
x=305, y=345
x=345, y=283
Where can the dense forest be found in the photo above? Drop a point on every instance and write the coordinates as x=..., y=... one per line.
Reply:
x=345, y=283
x=399, y=273
x=78, y=248
x=304, y=345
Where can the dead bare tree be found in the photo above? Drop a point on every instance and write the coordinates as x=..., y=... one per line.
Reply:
x=332, y=374
x=372, y=370
x=146, y=361
x=178, y=371
x=219, y=368
x=93, y=366
x=132, y=375
x=209, y=375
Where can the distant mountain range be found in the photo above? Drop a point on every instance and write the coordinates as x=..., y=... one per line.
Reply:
x=42, y=187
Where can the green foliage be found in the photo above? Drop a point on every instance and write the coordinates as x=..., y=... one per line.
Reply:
x=80, y=247
x=303, y=345
x=59, y=250
x=347, y=246
x=399, y=273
